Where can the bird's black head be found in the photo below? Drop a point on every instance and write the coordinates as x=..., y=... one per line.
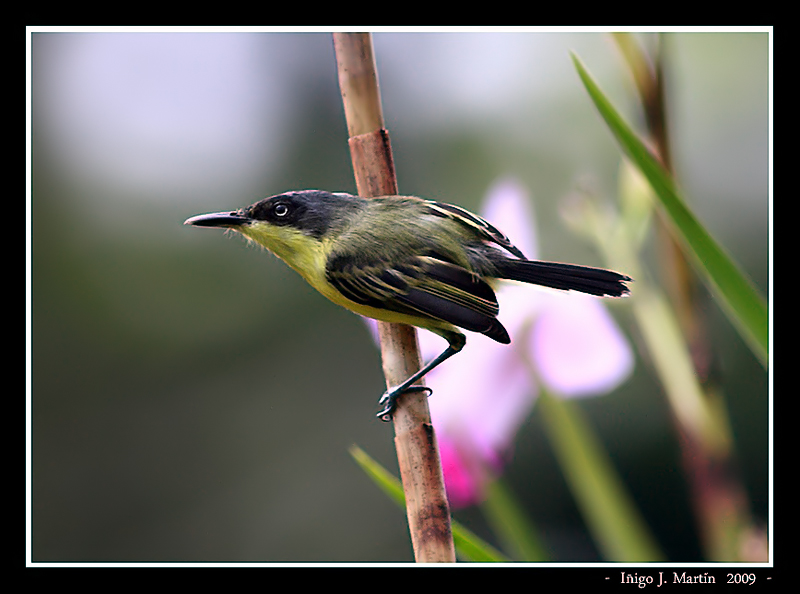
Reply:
x=311, y=211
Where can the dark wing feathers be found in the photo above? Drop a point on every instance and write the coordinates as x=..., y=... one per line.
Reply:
x=459, y=314
x=422, y=286
x=484, y=228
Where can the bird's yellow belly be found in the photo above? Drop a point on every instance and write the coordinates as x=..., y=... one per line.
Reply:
x=309, y=261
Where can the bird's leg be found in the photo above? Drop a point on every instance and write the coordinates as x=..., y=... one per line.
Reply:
x=389, y=398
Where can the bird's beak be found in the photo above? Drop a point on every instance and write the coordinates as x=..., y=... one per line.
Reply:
x=218, y=219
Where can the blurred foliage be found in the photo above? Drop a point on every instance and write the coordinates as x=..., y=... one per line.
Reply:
x=194, y=400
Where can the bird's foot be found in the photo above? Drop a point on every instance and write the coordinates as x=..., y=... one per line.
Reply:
x=389, y=400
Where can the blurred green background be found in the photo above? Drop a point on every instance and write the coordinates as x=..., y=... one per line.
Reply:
x=193, y=399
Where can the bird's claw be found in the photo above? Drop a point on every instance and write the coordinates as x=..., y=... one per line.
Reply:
x=389, y=400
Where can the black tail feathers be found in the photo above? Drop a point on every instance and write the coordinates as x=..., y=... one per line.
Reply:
x=569, y=277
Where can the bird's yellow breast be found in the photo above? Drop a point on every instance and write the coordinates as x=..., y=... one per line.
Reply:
x=308, y=257
x=303, y=253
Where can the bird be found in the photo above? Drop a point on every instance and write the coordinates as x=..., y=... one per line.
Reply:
x=404, y=259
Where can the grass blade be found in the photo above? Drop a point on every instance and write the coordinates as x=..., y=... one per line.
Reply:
x=740, y=300
x=512, y=526
x=616, y=525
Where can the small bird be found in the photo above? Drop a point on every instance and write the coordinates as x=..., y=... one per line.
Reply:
x=403, y=259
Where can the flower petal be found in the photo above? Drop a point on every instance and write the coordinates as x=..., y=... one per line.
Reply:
x=578, y=348
x=485, y=393
x=507, y=207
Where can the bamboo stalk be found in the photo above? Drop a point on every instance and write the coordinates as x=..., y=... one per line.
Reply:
x=417, y=451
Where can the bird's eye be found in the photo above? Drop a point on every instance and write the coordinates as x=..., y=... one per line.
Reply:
x=281, y=210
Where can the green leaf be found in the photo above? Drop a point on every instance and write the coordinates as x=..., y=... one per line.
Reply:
x=512, y=526
x=468, y=546
x=740, y=300
x=614, y=521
